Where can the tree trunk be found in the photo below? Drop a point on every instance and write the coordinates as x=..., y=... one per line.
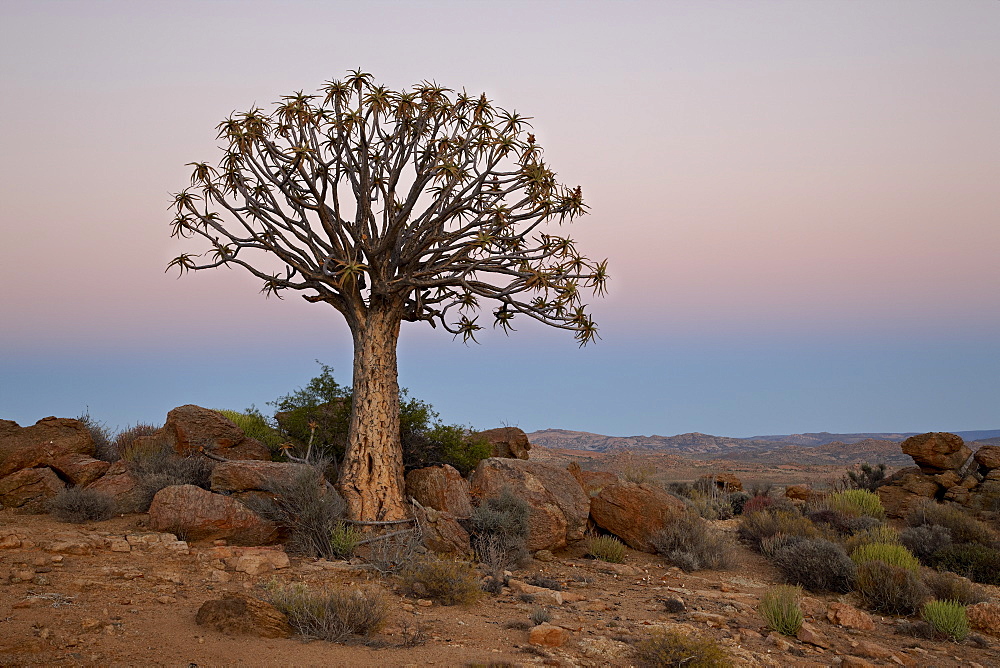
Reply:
x=371, y=477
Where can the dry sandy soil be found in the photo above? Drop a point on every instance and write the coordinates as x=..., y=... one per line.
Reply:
x=70, y=596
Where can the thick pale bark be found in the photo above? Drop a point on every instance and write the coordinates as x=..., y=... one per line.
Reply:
x=371, y=478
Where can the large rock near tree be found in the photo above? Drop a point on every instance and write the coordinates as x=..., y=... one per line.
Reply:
x=197, y=514
x=242, y=476
x=507, y=442
x=635, y=512
x=936, y=451
x=440, y=487
x=441, y=532
x=190, y=428
x=30, y=489
x=42, y=443
x=559, y=506
x=119, y=483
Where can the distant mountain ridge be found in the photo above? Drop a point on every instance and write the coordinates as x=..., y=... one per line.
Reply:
x=821, y=447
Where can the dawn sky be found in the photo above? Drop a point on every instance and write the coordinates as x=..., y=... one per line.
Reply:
x=798, y=201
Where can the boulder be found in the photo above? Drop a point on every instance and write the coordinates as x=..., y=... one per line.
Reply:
x=936, y=451
x=548, y=635
x=726, y=482
x=441, y=532
x=849, y=617
x=905, y=489
x=42, y=443
x=799, y=492
x=441, y=488
x=592, y=481
x=81, y=470
x=988, y=457
x=240, y=614
x=119, y=483
x=559, y=506
x=197, y=514
x=30, y=489
x=507, y=442
x=242, y=476
x=189, y=428
x=635, y=512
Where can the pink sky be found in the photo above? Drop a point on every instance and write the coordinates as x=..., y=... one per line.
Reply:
x=764, y=168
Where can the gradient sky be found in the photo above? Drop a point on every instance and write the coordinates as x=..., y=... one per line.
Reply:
x=798, y=200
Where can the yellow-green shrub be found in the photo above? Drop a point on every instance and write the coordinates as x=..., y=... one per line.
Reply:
x=780, y=607
x=857, y=502
x=894, y=555
x=948, y=618
x=446, y=581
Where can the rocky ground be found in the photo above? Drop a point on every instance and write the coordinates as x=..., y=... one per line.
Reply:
x=115, y=593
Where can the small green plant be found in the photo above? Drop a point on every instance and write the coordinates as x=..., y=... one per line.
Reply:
x=894, y=555
x=606, y=548
x=866, y=476
x=540, y=616
x=946, y=586
x=948, y=618
x=253, y=423
x=780, y=607
x=332, y=613
x=857, y=502
x=674, y=649
x=691, y=544
x=816, y=564
x=77, y=505
x=343, y=539
x=976, y=562
x=963, y=527
x=890, y=589
x=445, y=581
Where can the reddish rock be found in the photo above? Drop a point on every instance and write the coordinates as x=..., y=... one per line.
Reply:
x=441, y=532
x=547, y=635
x=197, y=514
x=849, y=617
x=985, y=617
x=441, y=488
x=559, y=506
x=871, y=650
x=239, y=614
x=30, y=489
x=242, y=476
x=905, y=489
x=119, y=483
x=808, y=634
x=988, y=457
x=42, y=443
x=189, y=428
x=507, y=442
x=937, y=451
x=635, y=512
x=726, y=482
x=798, y=492
x=247, y=449
x=592, y=481
x=81, y=470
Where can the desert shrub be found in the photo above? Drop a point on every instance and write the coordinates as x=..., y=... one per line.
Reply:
x=77, y=505
x=840, y=522
x=890, y=589
x=948, y=618
x=857, y=502
x=756, y=526
x=393, y=551
x=881, y=533
x=865, y=476
x=894, y=555
x=605, y=548
x=253, y=423
x=689, y=543
x=924, y=541
x=756, y=504
x=101, y=434
x=674, y=649
x=310, y=512
x=712, y=506
x=135, y=443
x=737, y=501
x=155, y=466
x=780, y=607
x=446, y=581
x=963, y=527
x=770, y=545
x=946, y=586
x=976, y=562
x=816, y=564
x=540, y=616
x=500, y=531
x=332, y=613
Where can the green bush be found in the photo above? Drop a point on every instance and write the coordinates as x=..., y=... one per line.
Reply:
x=780, y=607
x=976, y=562
x=946, y=586
x=737, y=501
x=255, y=425
x=445, y=581
x=894, y=555
x=948, y=618
x=758, y=525
x=963, y=527
x=816, y=564
x=605, y=548
x=691, y=544
x=865, y=476
x=890, y=589
x=77, y=505
x=330, y=614
x=924, y=541
x=500, y=531
x=857, y=502
x=882, y=533
x=674, y=649
x=540, y=616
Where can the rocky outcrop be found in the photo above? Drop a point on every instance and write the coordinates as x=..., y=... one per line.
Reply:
x=507, y=442
x=440, y=487
x=196, y=514
x=559, y=506
x=189, y=428
x=30, y=489
x=242, y=476
x=936, y=452
x=80, y=470
x=726, y=482
x=119, y=483
x=240, y=614
x=42, y=443
x=591, y=481
x=988, y=457
x=634, y=512
x=441, y=532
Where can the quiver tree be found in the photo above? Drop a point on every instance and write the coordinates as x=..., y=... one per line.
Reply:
x=414, y=205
